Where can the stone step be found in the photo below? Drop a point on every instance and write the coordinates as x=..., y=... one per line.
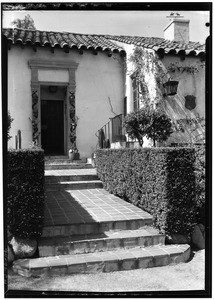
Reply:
x=109, y=240
x=67, y=166
x=66, y=178
x=73, y=185
x=109, y=261
x=96, y=227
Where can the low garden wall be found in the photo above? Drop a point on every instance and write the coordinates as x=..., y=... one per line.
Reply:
x=161, y=181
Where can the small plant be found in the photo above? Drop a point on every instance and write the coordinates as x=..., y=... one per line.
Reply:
x=9, y=122
x=148, y=122
x=136, y=124
x=160, y=127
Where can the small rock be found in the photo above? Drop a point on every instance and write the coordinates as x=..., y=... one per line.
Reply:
x=10, y=255
x=198, y=236
x=177, y=238
x=23, y=248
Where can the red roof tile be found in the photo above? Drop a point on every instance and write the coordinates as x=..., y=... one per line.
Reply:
x=99, y=42
x=61, y=39
x=160, y=43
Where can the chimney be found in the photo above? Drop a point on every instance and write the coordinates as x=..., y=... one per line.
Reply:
x=177, y=29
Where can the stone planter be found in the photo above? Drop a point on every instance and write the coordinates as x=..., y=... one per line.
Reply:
x=198, y=236
x=23, y=248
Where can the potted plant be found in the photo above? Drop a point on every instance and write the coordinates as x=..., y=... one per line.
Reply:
x=73, y=153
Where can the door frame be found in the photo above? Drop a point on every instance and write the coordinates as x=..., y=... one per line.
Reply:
x=71, y=67
x=65, y=115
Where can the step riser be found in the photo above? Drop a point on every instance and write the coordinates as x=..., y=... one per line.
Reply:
x=67, y=167
x=94, y=228
x=71, y=265
x=73, y=178
x=65, y=160
x=87, y=246
x=73, y=186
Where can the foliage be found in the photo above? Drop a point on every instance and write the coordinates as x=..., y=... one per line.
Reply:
x=137, y=123
x=25, y=193
x=26, y=23
x=200, y=183
x=160, y=127
x=9, y=122
x=148, y=122
x=148, y=65
x=192, y=69
x=161, y=181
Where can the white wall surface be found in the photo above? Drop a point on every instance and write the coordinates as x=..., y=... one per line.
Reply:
x=99, y=90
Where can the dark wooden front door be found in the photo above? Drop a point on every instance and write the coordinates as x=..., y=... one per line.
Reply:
x=52, y=127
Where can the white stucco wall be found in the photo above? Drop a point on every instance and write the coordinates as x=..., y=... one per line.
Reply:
x=99, y=81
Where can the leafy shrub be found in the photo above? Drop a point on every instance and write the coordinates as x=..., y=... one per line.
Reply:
x=9, y=122
x=25, y=192
x=148, y=122
x=137, y=123
x=161, y=181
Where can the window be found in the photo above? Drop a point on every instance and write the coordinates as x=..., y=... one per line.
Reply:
x=137, y=88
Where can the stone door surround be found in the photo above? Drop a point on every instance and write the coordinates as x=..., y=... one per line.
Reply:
x=35, y=65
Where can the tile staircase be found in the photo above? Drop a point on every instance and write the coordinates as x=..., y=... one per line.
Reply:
x=118, y=237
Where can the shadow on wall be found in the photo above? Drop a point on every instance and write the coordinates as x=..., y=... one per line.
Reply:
x=190, y=126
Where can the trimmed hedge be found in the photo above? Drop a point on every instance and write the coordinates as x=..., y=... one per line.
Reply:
x=200, y=183
x=161, y=181
x=25, y=192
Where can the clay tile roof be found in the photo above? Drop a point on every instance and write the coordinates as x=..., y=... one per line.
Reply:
x=99, y=42
x=160, y=43
x=61, y=39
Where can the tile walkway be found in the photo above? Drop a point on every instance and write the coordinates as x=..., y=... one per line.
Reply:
x=87, y=206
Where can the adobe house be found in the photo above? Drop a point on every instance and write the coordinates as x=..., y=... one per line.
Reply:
x=63, y=87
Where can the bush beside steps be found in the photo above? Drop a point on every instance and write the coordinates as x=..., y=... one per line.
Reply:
x=25, y=201
x=161, y=181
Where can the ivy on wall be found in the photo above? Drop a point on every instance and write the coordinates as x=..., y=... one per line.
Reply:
x=192, y=69
x=151, y=74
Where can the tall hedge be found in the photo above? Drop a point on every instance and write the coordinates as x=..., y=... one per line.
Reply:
x=161, y=181
x=25, y=192
x=200, y=182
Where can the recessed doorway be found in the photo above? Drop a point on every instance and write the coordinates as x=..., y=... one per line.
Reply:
x=53, y=120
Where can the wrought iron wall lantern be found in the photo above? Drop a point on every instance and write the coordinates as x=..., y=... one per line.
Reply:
x=171, y=87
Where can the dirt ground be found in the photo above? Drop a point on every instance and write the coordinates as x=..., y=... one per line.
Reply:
x=181, y=277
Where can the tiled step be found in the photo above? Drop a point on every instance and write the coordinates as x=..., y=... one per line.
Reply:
x=67, y=166
x=96, y=227
x=109, y=261
x=73, y=185
x=57, y=179
x=101, y=242
x=61, y=160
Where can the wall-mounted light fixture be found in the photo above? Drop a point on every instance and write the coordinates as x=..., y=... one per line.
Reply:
x=171, y=87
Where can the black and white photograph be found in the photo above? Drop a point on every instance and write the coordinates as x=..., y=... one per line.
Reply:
x=106, y=110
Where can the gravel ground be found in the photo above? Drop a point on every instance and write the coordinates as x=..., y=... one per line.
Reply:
x=181, y=277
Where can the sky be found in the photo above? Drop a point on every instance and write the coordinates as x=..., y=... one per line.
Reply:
x=139, y=23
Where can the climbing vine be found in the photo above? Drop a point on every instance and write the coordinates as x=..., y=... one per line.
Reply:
x=150, y=74
x=192, y=69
